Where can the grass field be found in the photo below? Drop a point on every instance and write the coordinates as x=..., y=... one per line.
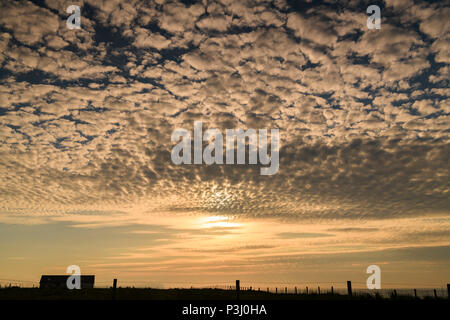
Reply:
x=178, y=294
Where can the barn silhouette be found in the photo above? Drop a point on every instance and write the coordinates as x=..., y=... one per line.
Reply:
x=60, y=281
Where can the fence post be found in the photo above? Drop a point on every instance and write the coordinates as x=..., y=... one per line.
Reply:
x=285, y=290
x=295, y=290
x=237, y=289
x=435, y=294
x=415, y=293
x=318, y=290
x=114, y=289
x=276, y=290
x=306, y=290
x=349, y=288
x=331, y=289
x=268, y=289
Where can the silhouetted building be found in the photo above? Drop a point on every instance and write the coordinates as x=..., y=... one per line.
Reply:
x=87, y=282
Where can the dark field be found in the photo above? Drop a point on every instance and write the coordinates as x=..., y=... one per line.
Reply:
x=172, y=304
x=181, y=294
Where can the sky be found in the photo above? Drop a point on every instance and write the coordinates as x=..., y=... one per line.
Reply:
x=86, y=118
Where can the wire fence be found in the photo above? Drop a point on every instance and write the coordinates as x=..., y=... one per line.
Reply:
x=309, y=288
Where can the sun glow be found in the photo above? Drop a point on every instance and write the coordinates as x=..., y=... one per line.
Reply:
x=218, y=222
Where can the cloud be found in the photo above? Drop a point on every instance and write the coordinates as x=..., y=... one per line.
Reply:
x=27, y=22
x=295, y=235
x=86, y=116
x=353, y=229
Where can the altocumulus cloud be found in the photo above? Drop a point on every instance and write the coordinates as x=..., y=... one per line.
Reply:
x=86, y=115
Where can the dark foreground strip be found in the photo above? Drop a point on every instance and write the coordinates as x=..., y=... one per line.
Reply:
x=231, y=309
